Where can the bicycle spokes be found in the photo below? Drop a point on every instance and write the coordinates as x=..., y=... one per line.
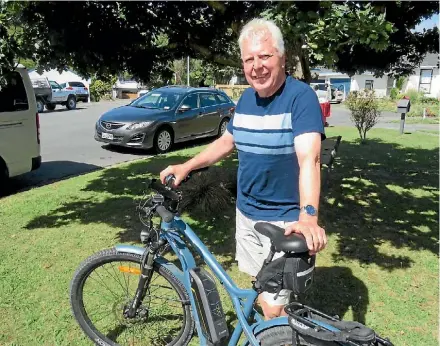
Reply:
x=108, y=293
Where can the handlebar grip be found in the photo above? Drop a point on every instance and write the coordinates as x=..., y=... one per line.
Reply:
x=166, y=215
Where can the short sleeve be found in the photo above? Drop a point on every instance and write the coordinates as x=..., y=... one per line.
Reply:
x=306, y=114
x=230, y=127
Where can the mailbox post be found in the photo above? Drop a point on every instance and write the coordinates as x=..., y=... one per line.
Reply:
x=403, y=107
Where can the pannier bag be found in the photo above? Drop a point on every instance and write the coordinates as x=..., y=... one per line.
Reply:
x=292, y=272
x=318, y=329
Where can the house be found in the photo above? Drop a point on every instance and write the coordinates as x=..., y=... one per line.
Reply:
x=425, y=79
x=65, y=76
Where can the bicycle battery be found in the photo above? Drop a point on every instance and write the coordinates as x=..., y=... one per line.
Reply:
x=209, y=306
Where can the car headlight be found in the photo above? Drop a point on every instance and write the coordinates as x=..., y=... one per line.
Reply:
x=135, y=126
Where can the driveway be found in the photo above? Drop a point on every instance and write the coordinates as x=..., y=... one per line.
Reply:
x=68, y=147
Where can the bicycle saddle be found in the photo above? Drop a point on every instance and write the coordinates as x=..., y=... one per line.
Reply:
x=291, y=243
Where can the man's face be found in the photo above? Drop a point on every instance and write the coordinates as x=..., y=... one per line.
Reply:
x=262, y=65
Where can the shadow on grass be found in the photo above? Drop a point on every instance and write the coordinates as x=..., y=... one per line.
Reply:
x=379, y=193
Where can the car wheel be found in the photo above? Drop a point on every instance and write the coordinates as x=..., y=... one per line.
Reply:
x=163, y=141
x=40, y=106
x=71, y=102
x=50, y=106
x=222, y=127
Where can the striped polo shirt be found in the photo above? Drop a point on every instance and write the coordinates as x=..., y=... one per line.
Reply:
x=264, y=130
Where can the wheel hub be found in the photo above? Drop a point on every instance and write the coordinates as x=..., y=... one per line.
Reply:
x=141, y=315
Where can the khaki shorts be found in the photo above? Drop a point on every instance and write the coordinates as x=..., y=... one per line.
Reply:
x=252, y=249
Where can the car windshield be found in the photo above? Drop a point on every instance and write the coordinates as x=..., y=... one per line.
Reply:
x=157, y=100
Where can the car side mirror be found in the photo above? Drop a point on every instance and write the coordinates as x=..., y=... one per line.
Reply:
x=184, y=108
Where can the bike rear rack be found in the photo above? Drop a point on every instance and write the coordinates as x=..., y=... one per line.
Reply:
x=311, y=324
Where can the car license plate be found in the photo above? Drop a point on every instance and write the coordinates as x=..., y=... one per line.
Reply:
x=107, y=135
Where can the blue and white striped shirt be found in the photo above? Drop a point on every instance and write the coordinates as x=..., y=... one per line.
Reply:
x=264, y=130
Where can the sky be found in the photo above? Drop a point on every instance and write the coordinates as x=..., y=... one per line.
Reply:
x=428, y=23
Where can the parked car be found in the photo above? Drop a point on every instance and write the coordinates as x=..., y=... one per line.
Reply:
x=165, y=116
x=49, y=93
x=142, y=92
x=19, y=126
x=332, y=94
x=80, y=90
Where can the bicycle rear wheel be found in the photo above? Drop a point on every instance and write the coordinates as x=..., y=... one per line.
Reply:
x=103, y=288
x=280, y=336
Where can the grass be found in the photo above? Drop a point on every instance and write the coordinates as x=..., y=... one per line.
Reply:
x=419, y=120
x=380, y=212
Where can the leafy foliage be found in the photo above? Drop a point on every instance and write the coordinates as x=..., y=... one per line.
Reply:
x=100, y=88
x=405, y=49
x=145, y=38
x=316, y=32
x=364, y=109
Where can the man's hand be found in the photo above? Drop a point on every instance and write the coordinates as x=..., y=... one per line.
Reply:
x=180, y=172
x=315, y=235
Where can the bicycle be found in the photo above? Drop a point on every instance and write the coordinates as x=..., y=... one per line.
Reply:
x=133, y=318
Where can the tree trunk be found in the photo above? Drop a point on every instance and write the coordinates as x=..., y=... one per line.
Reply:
x=299, y=62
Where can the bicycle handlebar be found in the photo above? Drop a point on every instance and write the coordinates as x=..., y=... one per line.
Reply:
x=171, y=178
x=166, y=215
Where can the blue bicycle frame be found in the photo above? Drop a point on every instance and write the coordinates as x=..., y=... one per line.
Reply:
x=242, y=299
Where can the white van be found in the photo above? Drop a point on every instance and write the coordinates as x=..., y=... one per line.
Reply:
x=19, y=126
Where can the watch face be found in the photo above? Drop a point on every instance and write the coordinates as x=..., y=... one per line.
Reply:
x=310, y=209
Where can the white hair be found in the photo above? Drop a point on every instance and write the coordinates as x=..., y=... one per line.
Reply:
x=257, y=28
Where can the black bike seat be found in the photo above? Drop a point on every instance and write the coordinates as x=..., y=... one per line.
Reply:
x=291, y=243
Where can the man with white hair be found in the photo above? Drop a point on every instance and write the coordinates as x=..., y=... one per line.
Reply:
x=277, y=129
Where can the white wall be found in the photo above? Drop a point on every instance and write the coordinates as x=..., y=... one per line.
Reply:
x=63, y=77
x=379, y=84
x=414, y=80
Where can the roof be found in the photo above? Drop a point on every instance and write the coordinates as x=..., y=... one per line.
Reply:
x=185, y=88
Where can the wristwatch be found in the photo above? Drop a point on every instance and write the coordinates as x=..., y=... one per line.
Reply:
x=309, y=210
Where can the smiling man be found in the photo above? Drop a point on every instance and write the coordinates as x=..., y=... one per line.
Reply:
x=277, y=129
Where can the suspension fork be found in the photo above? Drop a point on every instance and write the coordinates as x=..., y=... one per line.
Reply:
x=145, y=276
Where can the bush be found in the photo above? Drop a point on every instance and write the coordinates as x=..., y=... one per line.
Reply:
x=364, y=108
x=393, y=93
x=100, y=88
x=414, y=95
x=417, y=110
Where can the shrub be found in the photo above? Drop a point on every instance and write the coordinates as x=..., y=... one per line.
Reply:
x=364, y=108
x=100, y=88
x=414, y=95
x=417, y=110
x=393, y=93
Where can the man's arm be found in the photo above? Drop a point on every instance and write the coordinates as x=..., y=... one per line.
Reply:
x=308, y=151
x=216, y=151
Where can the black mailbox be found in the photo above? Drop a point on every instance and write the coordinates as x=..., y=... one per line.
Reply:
x=403, y=106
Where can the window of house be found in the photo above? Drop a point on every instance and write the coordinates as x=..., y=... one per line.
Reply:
x=13, y=96
x=425, y=80
x=369, y=84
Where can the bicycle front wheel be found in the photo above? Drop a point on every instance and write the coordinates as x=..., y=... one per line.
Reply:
x=103, y=288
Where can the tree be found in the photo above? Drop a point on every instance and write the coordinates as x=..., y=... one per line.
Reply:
x=105, y=38
x=144, y=38
x=364, y=108
x=354, y=36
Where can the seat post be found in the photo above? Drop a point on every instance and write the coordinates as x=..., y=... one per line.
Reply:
x=270, y=256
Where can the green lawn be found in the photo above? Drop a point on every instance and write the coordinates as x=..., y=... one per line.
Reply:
x=380, y=212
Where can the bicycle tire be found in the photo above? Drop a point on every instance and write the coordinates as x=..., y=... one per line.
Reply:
x=278, y=336
x=99, y=260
